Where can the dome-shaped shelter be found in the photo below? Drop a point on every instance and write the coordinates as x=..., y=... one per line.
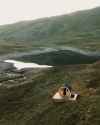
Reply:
x=65, y=93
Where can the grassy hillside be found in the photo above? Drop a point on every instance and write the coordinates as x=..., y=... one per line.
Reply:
x=80, y=29
x=26, y=96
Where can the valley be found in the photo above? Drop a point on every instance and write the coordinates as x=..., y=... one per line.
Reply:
x=70, y=44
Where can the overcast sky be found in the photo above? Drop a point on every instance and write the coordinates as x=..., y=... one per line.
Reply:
x=17, y=10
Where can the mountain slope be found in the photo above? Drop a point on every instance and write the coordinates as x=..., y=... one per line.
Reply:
x=26, y=96
x=80, y=29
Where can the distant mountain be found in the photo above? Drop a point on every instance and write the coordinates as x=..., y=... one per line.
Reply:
x=80, y=29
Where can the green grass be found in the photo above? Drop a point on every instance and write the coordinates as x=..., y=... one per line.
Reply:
x=31, y=102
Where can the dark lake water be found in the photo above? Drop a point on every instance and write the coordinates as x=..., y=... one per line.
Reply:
x=59, y=56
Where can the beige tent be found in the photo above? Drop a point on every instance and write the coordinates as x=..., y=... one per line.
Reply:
x=63, y=94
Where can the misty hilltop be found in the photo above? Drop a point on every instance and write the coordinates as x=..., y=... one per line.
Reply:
x=79, y=29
